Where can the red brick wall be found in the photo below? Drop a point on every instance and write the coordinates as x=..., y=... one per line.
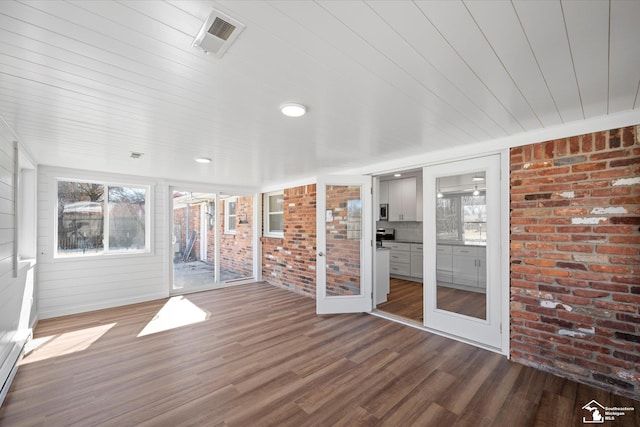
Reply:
x=575, y=274
x=236, y=250
x=290, y=262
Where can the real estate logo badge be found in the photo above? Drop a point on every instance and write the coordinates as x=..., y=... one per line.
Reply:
x=598, y=414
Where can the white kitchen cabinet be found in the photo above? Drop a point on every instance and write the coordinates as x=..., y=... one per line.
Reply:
x=400, y=257
x=406, y=259
x=444, y=263
x=463, y=266
x=383, y=192
x=416, y=260
x=403, y=199
x=382, y=275
x=482, y=267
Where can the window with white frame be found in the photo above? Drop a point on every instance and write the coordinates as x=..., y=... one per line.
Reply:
x=96, y=218
x=274, y=214
x=230, y=216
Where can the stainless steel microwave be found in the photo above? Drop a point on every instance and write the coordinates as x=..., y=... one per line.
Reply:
x=384, y=211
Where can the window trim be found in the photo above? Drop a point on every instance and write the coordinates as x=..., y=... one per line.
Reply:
x=227, y=222
x=267, y=232
x=148, y=218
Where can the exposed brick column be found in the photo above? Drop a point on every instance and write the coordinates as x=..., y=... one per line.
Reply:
x=575, y=258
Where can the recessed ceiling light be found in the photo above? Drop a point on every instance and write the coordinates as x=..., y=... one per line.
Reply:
x=397, y=174
x=202, y=160
x=477, y=178
x=293, y=110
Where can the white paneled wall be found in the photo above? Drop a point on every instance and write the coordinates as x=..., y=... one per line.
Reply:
x=78, y=284
x=16, y=278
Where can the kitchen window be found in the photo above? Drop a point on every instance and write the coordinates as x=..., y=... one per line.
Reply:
x=274, y=214
x=230, y=216
x=462, y=217
x=97, y=218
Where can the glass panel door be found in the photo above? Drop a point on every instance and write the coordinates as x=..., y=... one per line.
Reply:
x=462, y=249
x=193, y=240
x=235, y=228
x=344, y=245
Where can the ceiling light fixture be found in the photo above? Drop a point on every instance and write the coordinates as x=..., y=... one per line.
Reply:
x=397, y=175
x=476, y=192
x=202, y=160
x=477, y=178
x=293, y=110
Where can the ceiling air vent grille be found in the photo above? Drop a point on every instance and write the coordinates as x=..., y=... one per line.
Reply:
x=221, y=29
x=217, y=33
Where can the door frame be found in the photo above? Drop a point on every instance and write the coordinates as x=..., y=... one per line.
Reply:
x=503, y=256
x=347, y=303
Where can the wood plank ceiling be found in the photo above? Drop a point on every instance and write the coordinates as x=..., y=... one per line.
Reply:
x=84, y=83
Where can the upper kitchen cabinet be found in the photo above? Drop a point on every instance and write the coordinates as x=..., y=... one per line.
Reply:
x=383, y=192
x=405, y=199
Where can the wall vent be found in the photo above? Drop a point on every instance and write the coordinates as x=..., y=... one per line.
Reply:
x=217, y=33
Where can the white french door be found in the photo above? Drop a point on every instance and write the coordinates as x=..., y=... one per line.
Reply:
x=344, y=244
x=462, y=249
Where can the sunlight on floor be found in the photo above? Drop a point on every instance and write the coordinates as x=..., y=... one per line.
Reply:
x=177, y=312
x=69, y=342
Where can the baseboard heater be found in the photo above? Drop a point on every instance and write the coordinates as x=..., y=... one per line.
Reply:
x=10, y=368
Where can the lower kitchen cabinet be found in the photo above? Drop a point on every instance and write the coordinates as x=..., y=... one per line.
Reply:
x=406, y=259
x=416, y=260
x=463, y=266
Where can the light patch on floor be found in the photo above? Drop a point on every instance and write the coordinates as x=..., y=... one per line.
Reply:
x=178, y=311
x=69, y=342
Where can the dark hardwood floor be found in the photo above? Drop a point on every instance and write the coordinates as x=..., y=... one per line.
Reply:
x=259, y=356
x=405, y=300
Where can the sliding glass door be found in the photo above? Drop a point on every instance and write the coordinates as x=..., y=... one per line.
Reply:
x=211, y=240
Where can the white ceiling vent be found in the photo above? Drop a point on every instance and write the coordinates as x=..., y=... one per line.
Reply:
x=217, y=33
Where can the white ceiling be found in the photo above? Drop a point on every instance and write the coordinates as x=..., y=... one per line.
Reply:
x=84, y=83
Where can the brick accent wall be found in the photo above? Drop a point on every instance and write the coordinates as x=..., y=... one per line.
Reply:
x=575, y=274
x=290, y=262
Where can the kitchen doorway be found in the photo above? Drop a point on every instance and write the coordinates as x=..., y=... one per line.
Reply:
x=399, y=238
x=438, y=262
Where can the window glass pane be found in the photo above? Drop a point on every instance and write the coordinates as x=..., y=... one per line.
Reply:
x=80, y=218
x=127, y=207
x=448, y=218
x=474, y=212
x=276, y=222
x=230, y=216
x=276, y=203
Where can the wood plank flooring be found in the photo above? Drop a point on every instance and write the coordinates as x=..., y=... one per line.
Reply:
x=263, y=357
x=405, y=300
